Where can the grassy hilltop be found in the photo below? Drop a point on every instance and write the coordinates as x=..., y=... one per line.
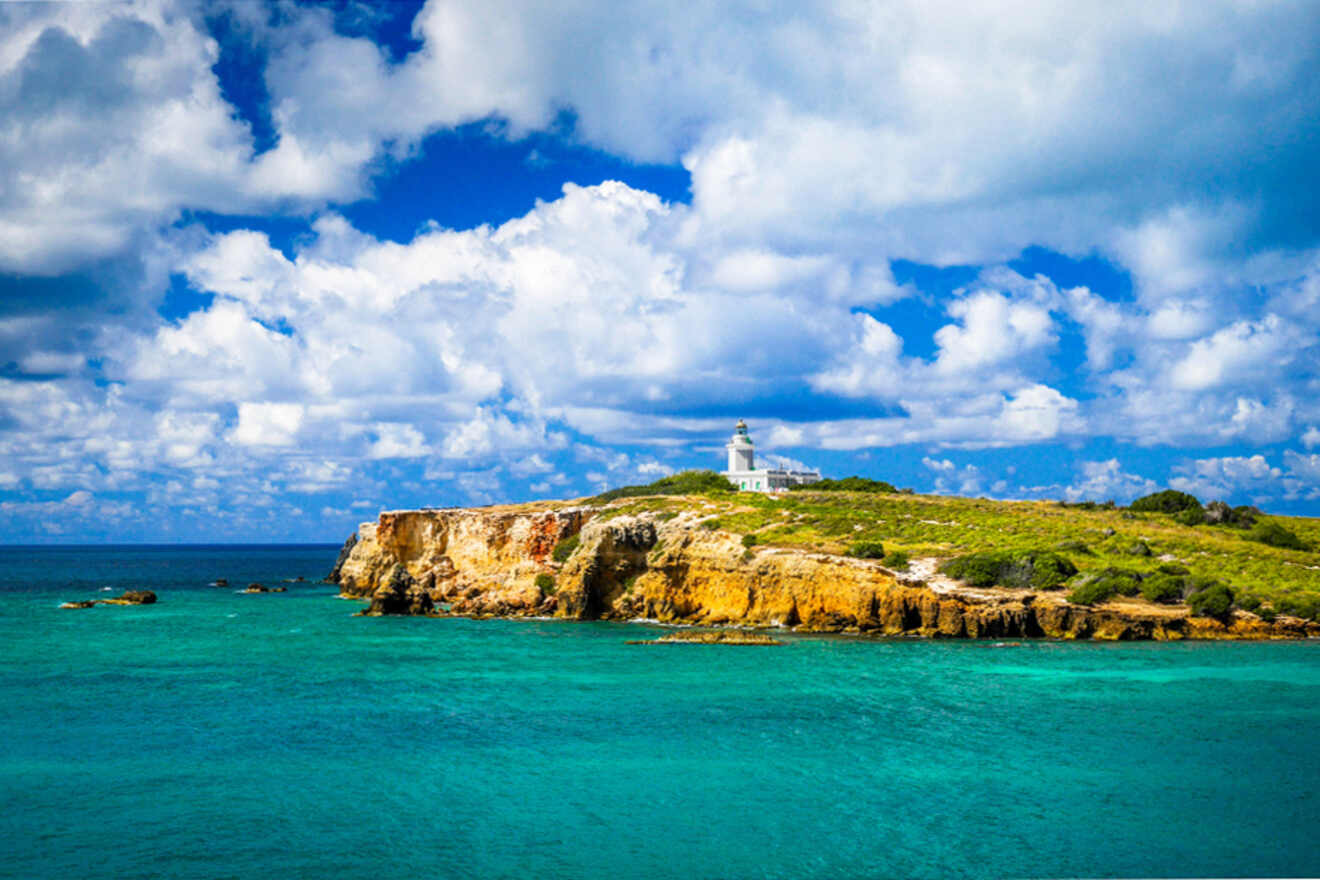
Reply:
x=1164, y=548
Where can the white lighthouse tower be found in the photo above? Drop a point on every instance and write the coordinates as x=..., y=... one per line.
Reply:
x=744, y=473
x=741, y=452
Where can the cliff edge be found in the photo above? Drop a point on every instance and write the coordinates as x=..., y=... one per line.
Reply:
x=590, y=562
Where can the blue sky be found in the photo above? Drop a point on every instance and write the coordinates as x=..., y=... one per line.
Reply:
x=267, y=269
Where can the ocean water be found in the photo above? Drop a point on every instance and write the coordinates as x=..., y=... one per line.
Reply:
x=224, y=735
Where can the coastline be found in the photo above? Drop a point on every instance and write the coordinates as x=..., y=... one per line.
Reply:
x=675, y=570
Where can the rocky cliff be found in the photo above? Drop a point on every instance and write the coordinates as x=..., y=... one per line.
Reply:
x=676, y=569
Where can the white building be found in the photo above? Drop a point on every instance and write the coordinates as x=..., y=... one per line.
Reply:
x=744, y=473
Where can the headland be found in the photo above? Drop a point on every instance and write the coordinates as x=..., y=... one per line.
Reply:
x=859, y=560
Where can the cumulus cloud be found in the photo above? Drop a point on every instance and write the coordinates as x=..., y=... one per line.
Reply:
x=606, y=316
x=1107, y=481
x=1224, y=477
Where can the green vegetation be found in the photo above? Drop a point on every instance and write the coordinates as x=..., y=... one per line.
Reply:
x=1161, y=587
x=546, y=582
x=1285, y=580
x=682, y=483
x=867, y=550
x=1275, y=535
x=1034, y=569
x=749, y=540
x=1087, y=505
x=896, y=560
x=1212, y=600
x=1091, y=592
x=847, y=484
x=1168, y=501
x=1191, y=516
x=565, y=548
x=1114, y=581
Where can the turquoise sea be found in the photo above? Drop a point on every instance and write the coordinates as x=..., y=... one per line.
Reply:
x=224, y=735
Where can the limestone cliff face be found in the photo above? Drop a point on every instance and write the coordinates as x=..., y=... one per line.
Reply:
x=492, y=555
x=676, y=570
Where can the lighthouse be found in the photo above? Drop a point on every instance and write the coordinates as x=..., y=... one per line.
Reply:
x=744, y=473
x=741, y=451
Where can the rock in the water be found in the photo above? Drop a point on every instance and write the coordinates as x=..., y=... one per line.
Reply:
x=132, y=597
x=82, y=603
x=220, y=582
x=400, y=594
x=257, y=588
x=718, y=637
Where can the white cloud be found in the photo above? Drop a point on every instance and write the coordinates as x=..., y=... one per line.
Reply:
x=1242, y=351
x=1311, y=438
x=1222, y=477
x=268, y=424
x=993, y=329
x=1106, y=481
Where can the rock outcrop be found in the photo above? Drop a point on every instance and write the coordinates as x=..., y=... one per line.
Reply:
x=128, y=597
x=498, y=561
x=400, y=594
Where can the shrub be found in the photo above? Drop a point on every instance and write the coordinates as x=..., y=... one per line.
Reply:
x=1192, y=516
x=977, y=569
x=711, y=525
x=749, y=540
x=1140, y=548
x=1113, y=581
x=546, y=582
x=1087, y=505
x=1034, y=569
x=1298, y=606
x=847, y=484
x=1172, y=568
x=1168, y=501
x=1074, y=546
x=1197, y=583
x=867, y=550
x=1275, y=535
x=1091, y=592
x=1162, y=588
x=682, y=483
x=1248, y=603
x=1213, y=601
x=565, y=548
x=1244, y=516
x=896, y=559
